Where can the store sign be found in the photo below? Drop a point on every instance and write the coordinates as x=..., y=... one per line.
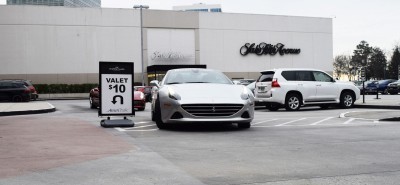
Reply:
x=116, y=89
x=170, y=56
x=267, y=49
x=171, y=46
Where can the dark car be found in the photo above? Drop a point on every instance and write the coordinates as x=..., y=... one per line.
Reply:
x=381, y=85
x=138, y=99
x=14, y=91
x=27, y=83
x=394, y=87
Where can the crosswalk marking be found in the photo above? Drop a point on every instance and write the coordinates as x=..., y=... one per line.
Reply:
x=283, y=124
x=264, y=121
x=348, y=121
x=144, y=126
x=318, y=122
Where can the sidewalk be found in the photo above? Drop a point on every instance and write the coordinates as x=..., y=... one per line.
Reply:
x=33, y=107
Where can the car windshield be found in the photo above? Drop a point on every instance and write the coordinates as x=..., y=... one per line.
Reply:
x=196, y=76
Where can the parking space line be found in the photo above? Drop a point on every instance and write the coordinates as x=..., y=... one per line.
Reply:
x=318, y=122
x=142, y=130
x=144, y=126
x=120, y=129
x=283, y=124
x=264, y=121
x=348, y=121
x=143, y=122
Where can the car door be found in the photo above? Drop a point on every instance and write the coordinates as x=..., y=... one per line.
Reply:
x=327, y=90
x=305, y=85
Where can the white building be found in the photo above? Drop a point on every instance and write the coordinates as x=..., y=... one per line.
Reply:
x=64, y=45
x=199, y=8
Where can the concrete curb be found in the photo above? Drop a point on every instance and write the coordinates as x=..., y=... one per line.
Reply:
x=378, y=106
x=25, y=112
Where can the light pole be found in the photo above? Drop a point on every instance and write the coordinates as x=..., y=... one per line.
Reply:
x=141, y=35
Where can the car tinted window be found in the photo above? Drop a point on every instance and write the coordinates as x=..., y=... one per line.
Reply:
x=289, y=75
x=266, y=76
x=5, y=85
x=304, y=76
x=321, y=77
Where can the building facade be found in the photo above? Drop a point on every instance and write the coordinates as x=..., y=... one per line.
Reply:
x=199, y=8
x=64, y=45
x=69, y=3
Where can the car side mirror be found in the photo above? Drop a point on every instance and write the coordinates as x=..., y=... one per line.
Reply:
x=155, y=83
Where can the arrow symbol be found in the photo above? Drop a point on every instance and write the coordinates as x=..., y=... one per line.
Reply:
x=118, y=96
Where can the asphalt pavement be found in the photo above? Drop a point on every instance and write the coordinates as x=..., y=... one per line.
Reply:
x=385, y=102
x=102, y=148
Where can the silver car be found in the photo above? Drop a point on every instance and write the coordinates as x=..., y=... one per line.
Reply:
x=200, y=95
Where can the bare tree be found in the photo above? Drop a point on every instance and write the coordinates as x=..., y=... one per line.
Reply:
x=341, y=66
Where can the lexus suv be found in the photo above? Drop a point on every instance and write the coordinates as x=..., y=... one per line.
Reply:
x=292, y=88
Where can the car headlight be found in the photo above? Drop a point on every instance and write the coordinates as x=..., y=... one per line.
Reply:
x=245, y=94
x=172, y=94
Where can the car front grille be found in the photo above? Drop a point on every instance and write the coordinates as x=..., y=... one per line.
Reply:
x=212, y=109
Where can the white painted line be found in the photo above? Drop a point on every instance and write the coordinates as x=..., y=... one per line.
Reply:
x=376, y=121
x=290, y=122
x=348, y=121
x=144, y=126
x=142, y=130
x=142, y=122
x=318, y=122
x=120, y=129
x=264, y=121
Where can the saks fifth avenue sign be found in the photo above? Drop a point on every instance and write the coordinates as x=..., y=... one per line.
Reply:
x=267, y=49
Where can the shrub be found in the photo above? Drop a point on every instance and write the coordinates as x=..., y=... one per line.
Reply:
x=64, y=88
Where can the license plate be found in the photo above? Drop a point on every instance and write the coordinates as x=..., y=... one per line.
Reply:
x=262, y=89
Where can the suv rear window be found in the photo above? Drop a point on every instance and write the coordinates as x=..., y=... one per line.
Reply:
x=266, y=76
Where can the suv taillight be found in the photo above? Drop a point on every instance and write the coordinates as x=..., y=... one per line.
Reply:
x=275, y=83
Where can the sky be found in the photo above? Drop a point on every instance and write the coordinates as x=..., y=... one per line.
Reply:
x=375, y=21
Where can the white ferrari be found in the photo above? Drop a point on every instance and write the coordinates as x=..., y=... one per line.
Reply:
x=200, y=95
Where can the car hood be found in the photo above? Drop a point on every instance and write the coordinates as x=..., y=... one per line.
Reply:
x=208, y=92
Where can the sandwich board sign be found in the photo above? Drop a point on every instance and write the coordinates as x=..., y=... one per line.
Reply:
x=116, y=89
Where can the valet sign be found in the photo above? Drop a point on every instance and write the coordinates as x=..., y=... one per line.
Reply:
x=116, y=96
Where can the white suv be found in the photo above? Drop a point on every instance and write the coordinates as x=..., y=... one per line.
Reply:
x=293, y=88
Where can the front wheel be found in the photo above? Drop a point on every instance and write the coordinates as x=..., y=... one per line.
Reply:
x=346, y=100
x=17, y=98
x=273, y=107
x=292, y=102
x=92, y=106
x=157, y=115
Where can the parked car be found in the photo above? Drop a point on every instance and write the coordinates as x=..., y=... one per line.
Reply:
x=146, y=90
x=14, y=91
x=139, y=100
x=293, y=88
x=381, y=85
x=244, y=82
x=201, y=95
x=27, y=83
x=394, y=87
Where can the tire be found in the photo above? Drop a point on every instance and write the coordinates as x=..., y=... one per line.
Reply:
x=157, y=115
x=244, y=125
x=92, y=106
x=385, y=91
x=17, y=98
x=292, y=102
x=346, y=100
x=324, y=106
x=273, y=107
